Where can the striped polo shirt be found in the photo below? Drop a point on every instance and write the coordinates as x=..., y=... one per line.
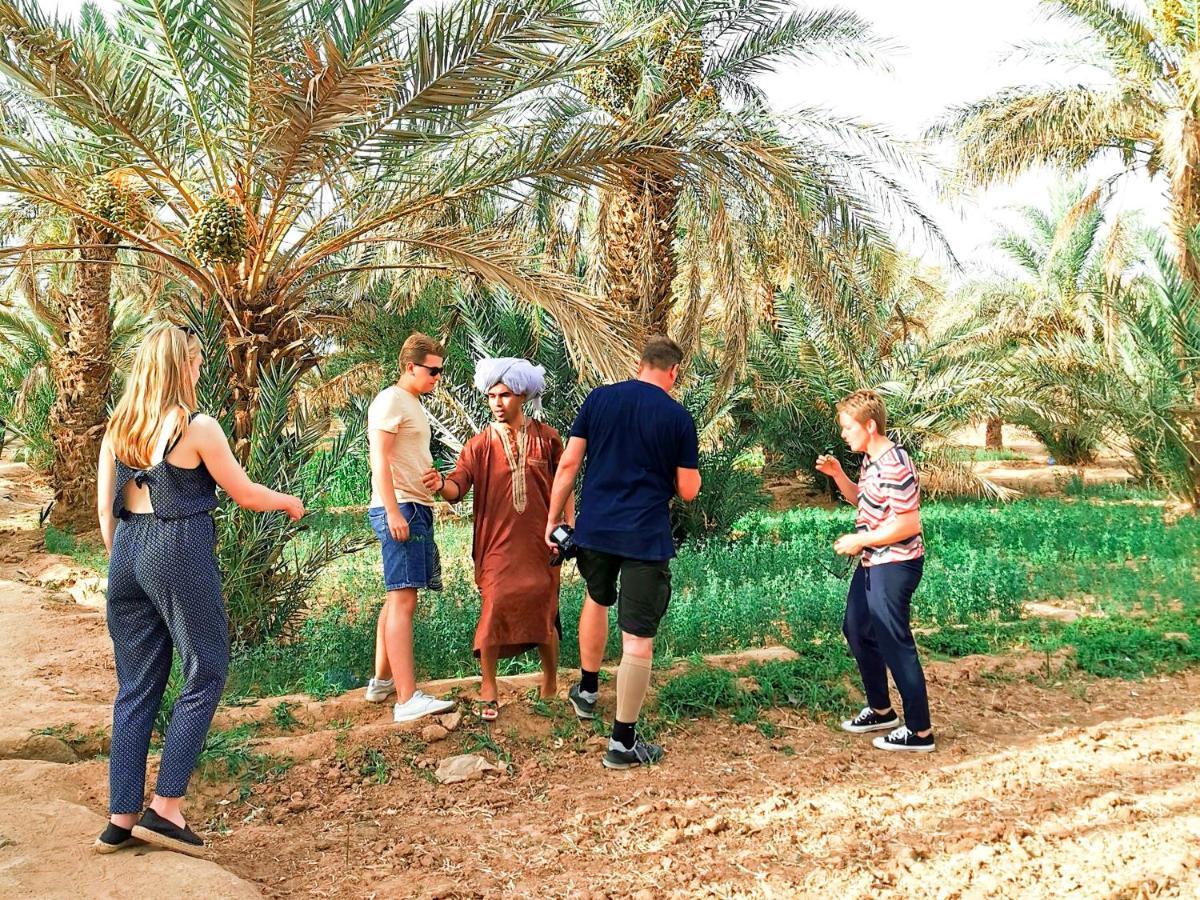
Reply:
x=888, y=487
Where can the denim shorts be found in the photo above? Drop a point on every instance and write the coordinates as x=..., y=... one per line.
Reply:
x=414, y=563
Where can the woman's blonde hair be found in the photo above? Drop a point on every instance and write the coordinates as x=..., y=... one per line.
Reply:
x=159, y=382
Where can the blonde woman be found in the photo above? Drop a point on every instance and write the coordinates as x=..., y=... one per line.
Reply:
x=160, y=465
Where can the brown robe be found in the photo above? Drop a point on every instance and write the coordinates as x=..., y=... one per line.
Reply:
x=518, y=585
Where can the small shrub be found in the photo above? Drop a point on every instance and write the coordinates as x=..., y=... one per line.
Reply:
x=283, y=717
x=229, y=754
x=374, y=765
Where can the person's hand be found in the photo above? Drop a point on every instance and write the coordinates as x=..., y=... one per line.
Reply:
x=849, y=545
x=433, y=480
x=829, y=465
x=397, y=526
x=551, y=524
x=294, y=507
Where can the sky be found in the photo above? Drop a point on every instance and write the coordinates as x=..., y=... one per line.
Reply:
x=944, y=52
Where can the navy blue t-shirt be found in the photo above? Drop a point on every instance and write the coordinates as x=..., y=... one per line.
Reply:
x=637, y=436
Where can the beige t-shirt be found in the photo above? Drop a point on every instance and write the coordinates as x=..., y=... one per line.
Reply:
x=396, y=410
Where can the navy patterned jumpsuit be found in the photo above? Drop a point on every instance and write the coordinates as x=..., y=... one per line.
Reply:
x=164, y=592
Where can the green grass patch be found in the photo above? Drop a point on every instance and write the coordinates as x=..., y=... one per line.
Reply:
x=778, y=583
x=228, y=755
x=1113, y=491
x=88, y=554
x=1133, y=648
x=816, y=682
x=701, y=691
x=988, y=637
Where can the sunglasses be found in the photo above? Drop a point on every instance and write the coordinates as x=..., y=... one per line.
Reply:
x=434, y=371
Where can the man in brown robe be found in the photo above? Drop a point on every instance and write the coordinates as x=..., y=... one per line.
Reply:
x=511, y=466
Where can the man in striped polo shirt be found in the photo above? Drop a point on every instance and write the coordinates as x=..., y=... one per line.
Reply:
x=887, y=532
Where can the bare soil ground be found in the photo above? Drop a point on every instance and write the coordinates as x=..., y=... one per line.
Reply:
x=1045, y=784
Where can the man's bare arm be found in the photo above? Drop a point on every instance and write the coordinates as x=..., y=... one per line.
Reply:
x=687, y=484
x=564, y=483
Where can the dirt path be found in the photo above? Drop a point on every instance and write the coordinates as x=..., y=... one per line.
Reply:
x=1045, y=785
x=1035, y=793
x=56, y=674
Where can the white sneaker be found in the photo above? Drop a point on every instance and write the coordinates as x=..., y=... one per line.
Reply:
x=420, y=704
x=379, y=689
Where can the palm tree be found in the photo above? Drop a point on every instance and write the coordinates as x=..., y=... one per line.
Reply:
x=747, y=192
x=286, y=152
x=1143, y=394
x=1074, y=269
x=58, y=301
x=1147, y=113
x=59, y=351
x=934, y=381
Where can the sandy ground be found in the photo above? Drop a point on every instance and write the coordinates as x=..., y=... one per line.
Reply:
x=1036, y=475
x=1045, y=784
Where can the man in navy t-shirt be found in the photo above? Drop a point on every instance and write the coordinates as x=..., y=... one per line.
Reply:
x=641, y=451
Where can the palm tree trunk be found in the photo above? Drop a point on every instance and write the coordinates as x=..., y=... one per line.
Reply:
x=638, y=221
x=1185, y=217
x=269, y=336
x=994, y=434
x=1185, y=200
x=82, y=368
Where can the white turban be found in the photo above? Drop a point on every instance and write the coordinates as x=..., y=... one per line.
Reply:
x=519, y=375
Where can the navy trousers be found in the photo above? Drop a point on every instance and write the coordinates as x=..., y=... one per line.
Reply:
x=164, y=592
x=877, y=629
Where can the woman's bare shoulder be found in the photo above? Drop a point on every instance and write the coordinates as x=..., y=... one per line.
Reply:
x=205, y=429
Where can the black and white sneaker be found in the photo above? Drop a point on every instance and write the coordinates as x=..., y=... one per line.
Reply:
x=621, y=757
x=584, y=702
x=904, y=740
x=868, y=720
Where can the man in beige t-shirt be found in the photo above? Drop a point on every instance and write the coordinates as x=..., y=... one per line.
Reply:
x=398, y=412
x=401, y=514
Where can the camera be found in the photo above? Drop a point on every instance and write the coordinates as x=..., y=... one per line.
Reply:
x=564, y=543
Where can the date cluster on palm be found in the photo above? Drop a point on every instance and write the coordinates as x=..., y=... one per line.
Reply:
x=1171, y=14
x=111, y=197
x=679, y=58
x=218, y=232
x=674, y=57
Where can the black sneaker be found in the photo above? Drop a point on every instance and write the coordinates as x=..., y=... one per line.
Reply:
x=154, y=829
x=113, y=838
x=618, y=757
x=584, y=708
x=903, y=739
x=869, y=720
